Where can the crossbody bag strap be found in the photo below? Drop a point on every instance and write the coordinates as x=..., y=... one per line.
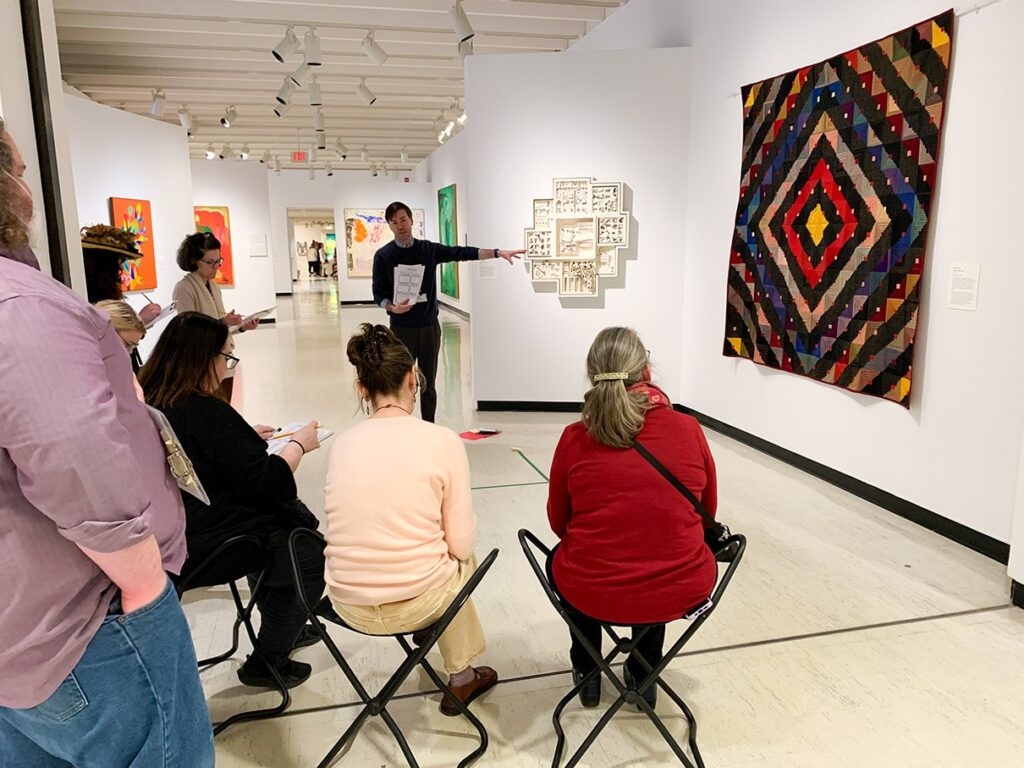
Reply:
x=698, y=507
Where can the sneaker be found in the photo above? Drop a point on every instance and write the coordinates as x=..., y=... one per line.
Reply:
x=590, y=694
x=650, y=695
x=255, y=672
x=484, y=679
x=307, y=637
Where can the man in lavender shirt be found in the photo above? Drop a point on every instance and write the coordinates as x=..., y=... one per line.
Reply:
x=97, y=666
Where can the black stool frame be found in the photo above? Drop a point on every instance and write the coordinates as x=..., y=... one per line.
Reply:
x=243, y=617
x=731, y=550
x=374, y=706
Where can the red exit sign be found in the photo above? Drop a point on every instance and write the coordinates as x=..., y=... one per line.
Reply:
x=298, y=156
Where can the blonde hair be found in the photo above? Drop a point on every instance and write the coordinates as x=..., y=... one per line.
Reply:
x=612, y=415
x=122, y=316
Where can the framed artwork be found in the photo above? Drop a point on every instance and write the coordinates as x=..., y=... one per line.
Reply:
x=448, y=230
x=330, y=244
x=215, y=220
x=577, y=235
x=136, y=216
x=366, y=231
x=839, y=166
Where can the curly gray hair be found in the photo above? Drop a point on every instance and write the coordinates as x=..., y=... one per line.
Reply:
x=13, y=230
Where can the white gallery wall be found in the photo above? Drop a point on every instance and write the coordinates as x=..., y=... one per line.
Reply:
x=604, y=114
x=242, y=188
x=16, y=110
x=346, y=189
x=956, y=450
x=118, y=154
x=444, y=166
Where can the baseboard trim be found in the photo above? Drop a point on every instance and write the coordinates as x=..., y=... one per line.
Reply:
x=461, y=312
x=538, y=406
x=1017, y=593
x=961, y=534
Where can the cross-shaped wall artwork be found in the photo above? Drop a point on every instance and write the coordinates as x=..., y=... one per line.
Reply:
x=577, y=235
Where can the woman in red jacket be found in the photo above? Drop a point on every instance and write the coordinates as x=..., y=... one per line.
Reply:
x=632, y=547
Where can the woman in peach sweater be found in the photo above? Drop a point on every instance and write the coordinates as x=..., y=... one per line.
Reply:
x=400, y=523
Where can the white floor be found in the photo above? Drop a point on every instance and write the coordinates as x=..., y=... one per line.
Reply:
x=850, y=637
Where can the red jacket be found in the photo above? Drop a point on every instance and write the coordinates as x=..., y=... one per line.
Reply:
x=632, y=548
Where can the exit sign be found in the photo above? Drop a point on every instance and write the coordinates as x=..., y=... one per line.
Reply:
x=298, y=156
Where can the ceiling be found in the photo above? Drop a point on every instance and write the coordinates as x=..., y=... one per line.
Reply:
x=211, y=54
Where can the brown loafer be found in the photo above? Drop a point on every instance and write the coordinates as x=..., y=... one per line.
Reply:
x=483, y=680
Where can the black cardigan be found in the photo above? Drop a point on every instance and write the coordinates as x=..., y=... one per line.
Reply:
x=249, y=490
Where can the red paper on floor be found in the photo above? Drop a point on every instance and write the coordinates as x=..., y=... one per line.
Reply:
x=479, y=434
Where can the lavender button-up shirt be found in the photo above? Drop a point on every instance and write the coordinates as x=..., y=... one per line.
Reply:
x=80, y=464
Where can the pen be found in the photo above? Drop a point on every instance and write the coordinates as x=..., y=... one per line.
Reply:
x=289, y=434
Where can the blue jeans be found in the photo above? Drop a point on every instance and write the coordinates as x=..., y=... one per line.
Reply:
x=133, y=700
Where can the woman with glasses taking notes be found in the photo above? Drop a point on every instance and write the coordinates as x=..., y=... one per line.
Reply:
x=250, y=491
x=199, y=257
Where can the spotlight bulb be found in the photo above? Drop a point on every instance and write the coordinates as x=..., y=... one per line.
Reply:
x=288, y=44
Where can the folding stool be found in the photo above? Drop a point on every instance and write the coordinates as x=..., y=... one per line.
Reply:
x=731, y=551
x=376, y=706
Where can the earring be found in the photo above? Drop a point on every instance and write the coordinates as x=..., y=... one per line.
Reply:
x=366, y=406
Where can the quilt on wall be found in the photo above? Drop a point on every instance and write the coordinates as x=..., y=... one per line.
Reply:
x=839, y=168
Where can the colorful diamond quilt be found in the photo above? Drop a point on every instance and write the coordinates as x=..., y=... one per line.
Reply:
x=840, y=161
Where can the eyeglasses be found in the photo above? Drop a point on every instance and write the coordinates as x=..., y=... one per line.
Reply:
x=232, y=360
x=215, y=263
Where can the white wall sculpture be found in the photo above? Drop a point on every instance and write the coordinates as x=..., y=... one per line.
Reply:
x=577, y=235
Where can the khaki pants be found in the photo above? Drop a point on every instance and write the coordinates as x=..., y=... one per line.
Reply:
x=460, y=643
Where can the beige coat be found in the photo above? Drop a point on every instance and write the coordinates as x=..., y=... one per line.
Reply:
x=191, y=294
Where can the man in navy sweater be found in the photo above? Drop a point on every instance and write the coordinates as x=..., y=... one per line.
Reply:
x=415, y=323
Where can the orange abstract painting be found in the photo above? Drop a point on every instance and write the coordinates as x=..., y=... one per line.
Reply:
x=136, y=216
x=214, y=219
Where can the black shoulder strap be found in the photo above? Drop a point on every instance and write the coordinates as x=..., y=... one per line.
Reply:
x=698, y=507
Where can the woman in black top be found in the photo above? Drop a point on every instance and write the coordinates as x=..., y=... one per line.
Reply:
x=250, y=491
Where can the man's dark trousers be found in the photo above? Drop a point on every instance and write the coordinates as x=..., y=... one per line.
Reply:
x=424, y=343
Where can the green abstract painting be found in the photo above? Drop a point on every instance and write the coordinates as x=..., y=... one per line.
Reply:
x=448, y=227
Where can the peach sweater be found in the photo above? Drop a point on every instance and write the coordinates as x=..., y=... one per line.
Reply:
x=399, y=510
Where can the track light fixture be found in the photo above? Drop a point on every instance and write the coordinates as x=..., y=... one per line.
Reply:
x=266, y=157
x=340, y=150
x=225, y=152
x=375, y=53
x=277, y=166
x=230, y=117
x=284, y=96
x=460, y=23
x=364, y=155
x=330, y=170
x=461, y=109
x=373, y=171
x=244, y=154
x=365, y=93
x=298, y=77
x=312, y=48
x=321, y=139
x=318, y=120
x=313, y=154
x=403, y=156
x=156, y=107
x=211, y=153
x=465, y=49
x=185, y=118
x=288, y=44
x=280, y=109
x=315, y=97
